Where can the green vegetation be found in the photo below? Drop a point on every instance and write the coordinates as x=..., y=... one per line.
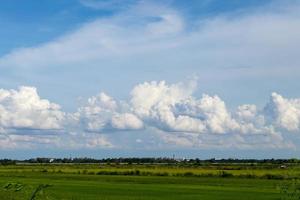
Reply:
x=67, y=186
x=149, y=181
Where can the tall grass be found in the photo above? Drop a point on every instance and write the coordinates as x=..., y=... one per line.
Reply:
x=154, y=170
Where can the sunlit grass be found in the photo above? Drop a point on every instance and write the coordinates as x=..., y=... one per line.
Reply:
x=94, y=181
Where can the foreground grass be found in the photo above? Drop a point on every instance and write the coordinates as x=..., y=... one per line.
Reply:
x=66, y=186
x=83, y=182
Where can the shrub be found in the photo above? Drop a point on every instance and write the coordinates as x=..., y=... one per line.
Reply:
x=225, y=174
x=188, y=174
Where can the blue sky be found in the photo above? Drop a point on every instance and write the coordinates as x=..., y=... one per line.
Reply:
x=84, y=77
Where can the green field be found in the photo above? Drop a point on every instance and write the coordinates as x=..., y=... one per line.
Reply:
x=109, y=182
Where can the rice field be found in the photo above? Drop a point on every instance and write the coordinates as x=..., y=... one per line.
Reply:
x=94, y=181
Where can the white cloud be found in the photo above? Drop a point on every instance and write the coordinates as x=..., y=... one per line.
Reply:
x=179, y=118
x=126, y=121
x=154, y=103
x=173, y=108
x=103, y=113
x=284, y=113
x=191, y=121
x=246, y=113
x=24, y=109
x=211, y=110
x=158, y=95
x=266, y=37
x=102, y=38
x=97, y=112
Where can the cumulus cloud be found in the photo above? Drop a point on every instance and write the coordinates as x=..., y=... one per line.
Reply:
x=284, y=113
x=211, y=110
x=182, y=119
x=155, y=101
x=126, y=121
x=188, y=121
x=24, y=109
x=172, y=110
x=103, y=113
x=251, y=120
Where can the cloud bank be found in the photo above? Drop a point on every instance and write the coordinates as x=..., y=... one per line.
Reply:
x=171, y=111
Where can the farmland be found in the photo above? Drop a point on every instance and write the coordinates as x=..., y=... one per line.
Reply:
x=139, y=181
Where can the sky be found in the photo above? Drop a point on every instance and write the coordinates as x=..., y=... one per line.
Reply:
x=110, y=78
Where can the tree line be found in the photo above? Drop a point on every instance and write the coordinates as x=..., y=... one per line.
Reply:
x=135, y=160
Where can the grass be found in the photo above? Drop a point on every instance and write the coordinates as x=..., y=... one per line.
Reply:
x=85, y=182
x=269, y=172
